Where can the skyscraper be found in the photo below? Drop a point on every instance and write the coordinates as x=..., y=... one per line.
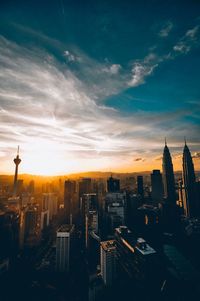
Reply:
x=108, y=261
x=188, y=183
x=17, y=161
x=140, y=188
x=70, y=199
x=63, y=247
x=113, y=185
x=168, y=177
x=156, y=186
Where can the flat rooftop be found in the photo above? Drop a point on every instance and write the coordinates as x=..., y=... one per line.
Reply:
x=132, y=242
x=126, y=237
x=143, y=247
x=65, y=228
x=108, y=245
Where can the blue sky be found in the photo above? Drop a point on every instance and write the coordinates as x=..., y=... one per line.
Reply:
x=97, y=85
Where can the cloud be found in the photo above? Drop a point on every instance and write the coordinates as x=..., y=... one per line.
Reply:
x=196, y=155
x=46, y=105
x=113, y=69
x=188, y=41
x=71, y=57
x=139, y=159
x=143, y=68
x=159, y=158
x=166, y=29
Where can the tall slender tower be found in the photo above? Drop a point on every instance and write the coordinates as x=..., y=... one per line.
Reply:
x=188, y=182
x=17, y=161
x=168, y=177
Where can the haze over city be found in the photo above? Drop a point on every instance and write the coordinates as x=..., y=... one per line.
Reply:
x=98, y=85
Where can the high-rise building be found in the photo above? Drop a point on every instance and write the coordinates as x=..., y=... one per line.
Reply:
x=137, y=261
x=50, y=203
x=114, y=210
x=31, y=229
x=63, y=247
x=17, y=161
x=140, y=187
x=156, y=186
x=189, y=183
x=85, y=186
x=113, y=185
x=70, y=201
x=89, y=205
x=44, y=221
x=108, y=261
x=168, y=177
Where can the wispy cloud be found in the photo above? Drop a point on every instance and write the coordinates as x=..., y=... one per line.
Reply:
x=70, y=56
x=139, y=159
x=113, y=69
x=188, y=41
x=143, y=68
x=47, y=105
x=166, y=29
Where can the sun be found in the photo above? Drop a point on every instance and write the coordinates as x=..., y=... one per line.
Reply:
x=43, y=158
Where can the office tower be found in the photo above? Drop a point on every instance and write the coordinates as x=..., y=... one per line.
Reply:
x=113, y=185
x=85, y=186
x=31, y=187
x=89, y=205
x=108, y=262
x=156, y=186
x=189, y=183
x=114, y=211
x=17, y=161
x=140, y=188
x=181, y=195
x=137, y=261
x=50, y=203
x=44, y=222
x=63, y=247
x=70, y=202
x=31, y=226
x=168, y=177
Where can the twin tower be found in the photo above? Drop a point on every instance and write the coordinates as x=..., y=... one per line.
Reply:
x=187, y=184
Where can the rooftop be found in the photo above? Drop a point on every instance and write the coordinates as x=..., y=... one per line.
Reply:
x=143, y=247
x=108, y=245
x=65, y=228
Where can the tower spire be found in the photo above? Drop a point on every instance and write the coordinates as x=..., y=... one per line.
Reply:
x=185, y=141
x=17, y=161
x=165, y=141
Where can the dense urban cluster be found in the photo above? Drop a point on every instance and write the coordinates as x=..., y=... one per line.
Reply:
x=98, y=238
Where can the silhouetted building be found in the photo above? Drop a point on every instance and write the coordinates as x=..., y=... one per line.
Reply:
x=89, y=215
x=70, y=201
x=108, y=261
x=50, y=202
x=168, y=177
x=113, y=185
x=44, y=219
x=137, y=261
x=31, y=187
x=114, y=211
x=140, y=187
x=17, y=161
x=189, y=183
x=156, y=186
x=85, y=186
x=31, y=226
x=63, y=247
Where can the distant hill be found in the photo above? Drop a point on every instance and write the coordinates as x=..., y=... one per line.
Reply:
x=89, y=174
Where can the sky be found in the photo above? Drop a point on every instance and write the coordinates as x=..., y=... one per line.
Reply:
x=98, y=85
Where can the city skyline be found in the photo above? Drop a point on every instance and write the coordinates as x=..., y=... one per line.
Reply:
x=77, y=97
